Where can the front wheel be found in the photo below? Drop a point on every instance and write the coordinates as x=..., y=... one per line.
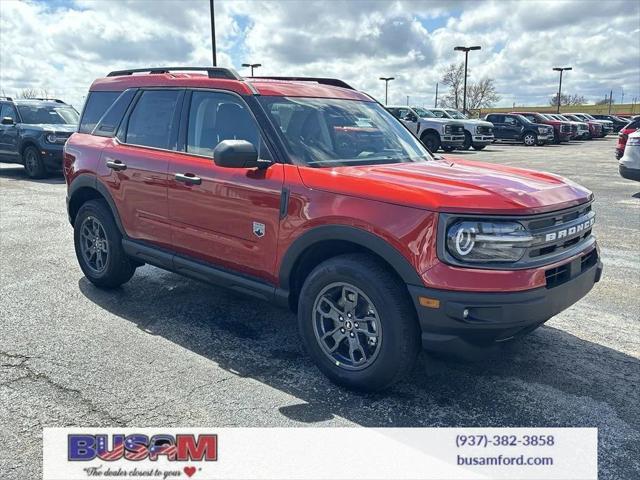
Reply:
x=478, y=147
x=431, y=141
x=357, y=323
x=448, y=149
x=33, y=164
x=530, y=139
x=98, y=245
x=467, y=141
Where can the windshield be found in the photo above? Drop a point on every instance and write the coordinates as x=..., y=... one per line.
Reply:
x=48, y=114
x=325, y=132
x=457, y=115
x=588, y=116
x=423, y=112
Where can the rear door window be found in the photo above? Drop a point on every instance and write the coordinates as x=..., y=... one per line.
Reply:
x=96, y=105
x=152, y=121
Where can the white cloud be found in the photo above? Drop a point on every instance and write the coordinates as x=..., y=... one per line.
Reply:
x=62, y=46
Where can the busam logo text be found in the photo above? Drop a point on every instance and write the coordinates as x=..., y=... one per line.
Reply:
x=137, y=447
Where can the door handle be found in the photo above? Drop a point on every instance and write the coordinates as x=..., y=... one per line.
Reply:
x=188, y=178
x=116, y=165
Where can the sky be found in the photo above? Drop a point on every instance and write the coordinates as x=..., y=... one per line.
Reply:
x=63, y=45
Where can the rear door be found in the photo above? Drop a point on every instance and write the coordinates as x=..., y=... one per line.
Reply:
x=8, y=134
x=228, y=217
x=134, y=166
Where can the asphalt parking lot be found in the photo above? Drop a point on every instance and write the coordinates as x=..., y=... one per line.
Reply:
x=167, y=351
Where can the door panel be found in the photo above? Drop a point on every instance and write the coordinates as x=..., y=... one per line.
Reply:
x=8, y=135
x=139, y=191
x=214, y=221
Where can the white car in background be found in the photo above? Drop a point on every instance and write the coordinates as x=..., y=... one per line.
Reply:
x=630, y=161
x=434, y=132
x=478, y=133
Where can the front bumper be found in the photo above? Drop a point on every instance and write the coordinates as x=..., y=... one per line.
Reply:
x=482, y=139
x=496, y=316
x=546, y=138
x=452, y=140
x=629, y=173
x=52, y=156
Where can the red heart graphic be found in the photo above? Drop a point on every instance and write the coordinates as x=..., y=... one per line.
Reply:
x=189, y=471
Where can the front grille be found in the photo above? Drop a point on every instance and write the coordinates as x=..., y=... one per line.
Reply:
x=574, y=129
x=482, y=130
x=565, y=128
x=562, y=274
x=457, y=130
x=559, y=232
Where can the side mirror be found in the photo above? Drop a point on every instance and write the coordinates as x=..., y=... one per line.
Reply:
x=237, y=154
x=410, y=117
x=8, y=121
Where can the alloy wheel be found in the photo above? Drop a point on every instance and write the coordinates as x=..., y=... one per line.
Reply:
x=347, y=326
x=94, y=245
x=31, y=161
x=529, y=140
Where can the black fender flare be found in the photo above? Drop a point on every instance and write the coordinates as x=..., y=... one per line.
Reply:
x=350, y=234
x=86, y=180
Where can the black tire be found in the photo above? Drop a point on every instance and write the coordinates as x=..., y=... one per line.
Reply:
x=530, y=139
x=556, y=138
x=479, y=147
x=467, y=141
x=448, y=149
x=117, y=268
x=431, y=141
x=33, y=164
x=398, y=329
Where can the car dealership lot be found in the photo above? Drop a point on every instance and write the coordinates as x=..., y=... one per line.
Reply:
x=168, y=351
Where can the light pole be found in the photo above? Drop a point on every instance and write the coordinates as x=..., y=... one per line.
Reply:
x=213, y=33
x=386, y=87
x=466, y=51
x=560, y=69
x=252, y=66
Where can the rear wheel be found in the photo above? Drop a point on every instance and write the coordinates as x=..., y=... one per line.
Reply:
x=33, y=164
x=431, y=141
x=98, y=245
x=357, y=323
x=530, y=139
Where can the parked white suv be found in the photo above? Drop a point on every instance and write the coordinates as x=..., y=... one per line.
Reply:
x=478, y=133
x=630, y=161
x=434, y=132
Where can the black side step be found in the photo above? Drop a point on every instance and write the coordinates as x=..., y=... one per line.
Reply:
x=201, y=271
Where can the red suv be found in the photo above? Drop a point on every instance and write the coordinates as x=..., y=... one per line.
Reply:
x=308, y=193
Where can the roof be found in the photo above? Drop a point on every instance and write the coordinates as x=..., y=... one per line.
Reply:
x=250, y=86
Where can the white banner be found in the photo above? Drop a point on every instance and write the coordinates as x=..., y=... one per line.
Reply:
x=320, y=453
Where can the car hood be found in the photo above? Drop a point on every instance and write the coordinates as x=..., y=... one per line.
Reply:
x=451, y=185
x=480, y=123
x=51, y=127
x=444, y=121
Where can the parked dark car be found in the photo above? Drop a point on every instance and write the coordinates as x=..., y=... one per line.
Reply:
x=618, y=123
x=561, y=130
x=508, y=127
x=33, y=133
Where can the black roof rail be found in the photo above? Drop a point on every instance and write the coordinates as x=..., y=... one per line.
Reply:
x=57, y=100
x=4, y=97
x=335, y=82
x=212, y=72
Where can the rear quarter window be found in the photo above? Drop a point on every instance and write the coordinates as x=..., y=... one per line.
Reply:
x=94, y=108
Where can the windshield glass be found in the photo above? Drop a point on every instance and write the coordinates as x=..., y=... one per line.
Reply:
x=325, y=132
x=457, y=115
x=423, y=112
x=48, y=114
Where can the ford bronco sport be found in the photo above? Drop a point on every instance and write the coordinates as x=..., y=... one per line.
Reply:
x=310, y=194
x=33, y=132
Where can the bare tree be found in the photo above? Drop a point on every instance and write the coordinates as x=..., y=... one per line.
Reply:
x=33, y=93
x=479, y=95
x=453, y=78
x=482, y=94
x=567, y=99
x=605, y=101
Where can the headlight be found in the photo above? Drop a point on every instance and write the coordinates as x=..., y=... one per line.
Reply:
x=542, y=130
x=476, y=241
x=51, y=138
x=448, y=129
